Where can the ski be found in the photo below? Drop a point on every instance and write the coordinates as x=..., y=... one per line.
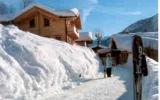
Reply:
x=139, y=66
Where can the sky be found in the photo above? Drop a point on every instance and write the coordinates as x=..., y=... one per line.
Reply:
x=109, y=16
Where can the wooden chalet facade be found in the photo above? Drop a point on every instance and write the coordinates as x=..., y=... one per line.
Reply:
x=46, y=22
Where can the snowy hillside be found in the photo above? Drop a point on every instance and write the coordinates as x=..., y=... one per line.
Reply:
x=145, y=25
x=32, y=66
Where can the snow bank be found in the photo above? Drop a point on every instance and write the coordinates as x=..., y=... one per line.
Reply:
x=32, y=65
x=150, y=83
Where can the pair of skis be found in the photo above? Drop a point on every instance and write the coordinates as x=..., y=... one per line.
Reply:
x=139, y=66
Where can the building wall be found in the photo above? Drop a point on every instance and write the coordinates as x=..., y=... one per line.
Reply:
x=152, y=53
x=56, y=28
x=84, y=43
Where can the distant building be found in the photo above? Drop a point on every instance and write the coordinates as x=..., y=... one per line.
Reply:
x=84, y=39
x=47, y=22
x=118, y=56
x=120, y=46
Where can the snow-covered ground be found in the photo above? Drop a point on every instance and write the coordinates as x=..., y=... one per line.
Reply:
x=118, y=87
x=31, y=66
x=37, y=68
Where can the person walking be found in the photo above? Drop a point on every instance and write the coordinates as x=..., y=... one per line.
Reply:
x=108, y=67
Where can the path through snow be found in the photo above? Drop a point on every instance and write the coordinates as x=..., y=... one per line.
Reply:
x=118, y=87
x=100, y=89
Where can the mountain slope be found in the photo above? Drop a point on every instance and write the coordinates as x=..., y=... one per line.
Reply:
x=145, y=25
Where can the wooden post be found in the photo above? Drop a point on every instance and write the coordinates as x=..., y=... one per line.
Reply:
x=139, y=66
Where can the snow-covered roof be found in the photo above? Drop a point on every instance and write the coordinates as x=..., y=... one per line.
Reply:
x=123, y=41
x=65, y=13
x=94, y=46
x=147, y=34
x=85, y=36
x=150, y=42
x=108, y=50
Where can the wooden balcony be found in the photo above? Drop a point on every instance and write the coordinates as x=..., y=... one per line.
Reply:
x=73, y=32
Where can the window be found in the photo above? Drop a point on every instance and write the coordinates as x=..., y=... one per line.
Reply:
x=32, y=23
x=46, y=22
x=57, y=37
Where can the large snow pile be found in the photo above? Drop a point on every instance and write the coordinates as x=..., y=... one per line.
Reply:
x=31, y=66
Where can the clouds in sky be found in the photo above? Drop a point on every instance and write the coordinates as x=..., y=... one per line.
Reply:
x=86, y=13
x=87, y=8
x=134, y=13
x=116, y=11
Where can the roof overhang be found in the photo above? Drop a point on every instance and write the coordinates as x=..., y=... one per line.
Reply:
x=62, y=13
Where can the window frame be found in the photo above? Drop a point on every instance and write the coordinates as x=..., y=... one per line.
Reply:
x=32, y=23
x=46, y=22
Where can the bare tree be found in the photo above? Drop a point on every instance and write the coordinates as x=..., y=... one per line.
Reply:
x=25, y=3
x=3, y=8
x=98, y=35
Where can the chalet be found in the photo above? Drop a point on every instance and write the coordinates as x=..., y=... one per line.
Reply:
x=47, y=22
x=84, y=39
x=118, y=56
x=120, y=47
